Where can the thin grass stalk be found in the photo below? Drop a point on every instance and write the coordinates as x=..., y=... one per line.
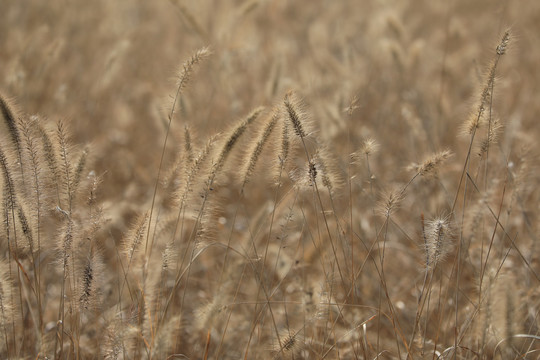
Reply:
x=10, y=202
x=485, y=100
x=183, y=79
x=255, y=153
x=65, y=253
x=36, y=174
x=237, y=291
x=298, y=127
x=421, y=297
x=230, y=142
x=258, y=313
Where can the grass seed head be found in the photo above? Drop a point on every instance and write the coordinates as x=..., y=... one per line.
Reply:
x=439, y=239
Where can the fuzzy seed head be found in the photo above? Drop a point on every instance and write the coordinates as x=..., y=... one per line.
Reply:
x=492, y=136
x=438, y=233
x=473, y=122
x=294, y=114
x=10, y=116
x=257, y=148
x=285, y=144
x=187, y=145
x=9, y=189
x=185, y=72
x=210, y=314
x=430, y=167
x=234, y=135
x=168, y=256
x=312, y=172
x=290, y=342
x=353, y=105
x=88, y=285
x=390, y=203
x=503, y=45
x=136, y=235
x=369, y=146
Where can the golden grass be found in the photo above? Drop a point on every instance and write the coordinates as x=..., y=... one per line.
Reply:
x=319, y=185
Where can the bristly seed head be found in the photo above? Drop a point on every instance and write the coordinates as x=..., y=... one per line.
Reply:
x=291, y=105
x=235, y=134
x=184, y=74
x=289, y=343
x=431, y=165
x=501, y=48
x=312, y=172
x=369, y=146
x=390, y=202
x=256, y=148
x=438, y=233
x=492, y=136
x=353, y=105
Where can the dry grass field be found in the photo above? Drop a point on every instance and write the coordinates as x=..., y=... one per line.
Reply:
x=269, y=179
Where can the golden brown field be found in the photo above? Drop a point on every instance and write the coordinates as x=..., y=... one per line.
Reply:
x=269, y=179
